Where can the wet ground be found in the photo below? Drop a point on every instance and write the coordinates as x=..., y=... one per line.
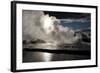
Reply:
x=82, y=52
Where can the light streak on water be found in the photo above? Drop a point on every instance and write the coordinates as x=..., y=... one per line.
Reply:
x=46, y=57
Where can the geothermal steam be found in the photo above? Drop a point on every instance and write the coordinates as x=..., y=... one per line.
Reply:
x=37, y=25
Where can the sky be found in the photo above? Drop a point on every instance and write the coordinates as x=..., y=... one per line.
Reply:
x=72, y=20
x=65, y=15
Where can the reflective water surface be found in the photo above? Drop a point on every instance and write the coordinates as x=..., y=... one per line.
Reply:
x=54, y=53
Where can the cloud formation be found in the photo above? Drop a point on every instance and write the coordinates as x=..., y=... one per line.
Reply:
x=37, y=25
x=82, y=20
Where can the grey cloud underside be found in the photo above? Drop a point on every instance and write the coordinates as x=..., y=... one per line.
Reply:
x=32, y=30
x=82, y=20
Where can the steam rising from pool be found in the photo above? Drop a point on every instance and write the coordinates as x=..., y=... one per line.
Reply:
x=37, y=25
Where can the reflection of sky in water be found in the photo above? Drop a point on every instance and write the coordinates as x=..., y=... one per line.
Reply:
x=76, y=25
